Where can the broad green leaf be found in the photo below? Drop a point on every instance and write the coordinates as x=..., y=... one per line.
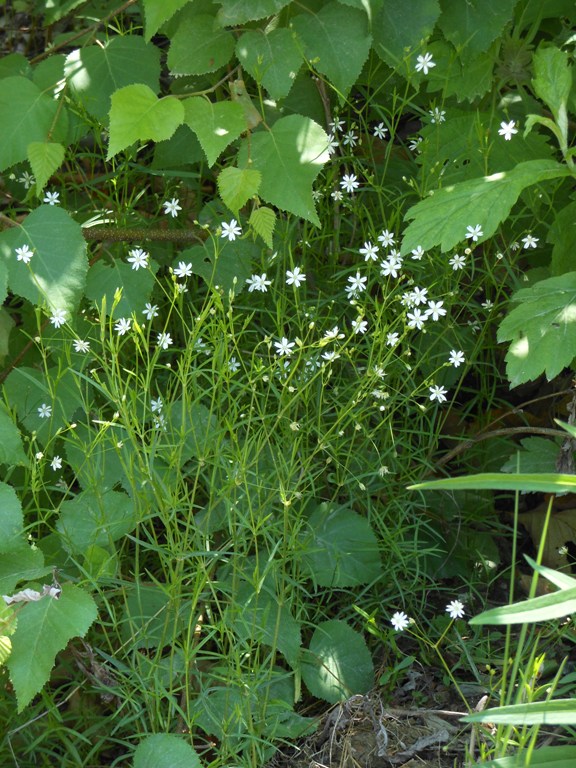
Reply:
x=95, y=72
x=338, y=663
x=562, y=235
x=289, y=156
x=199, y=46
x=541, y=329
x=442, y=219
x=11, y=448
x=104, y=280
x=45, y=628
x=472, y=26
x=263, y=222
x=26, y=115
x=45, y=159
x=337, y=41
x=14, y=65
x=233, y=13
x=11, y=518
x=194, y=429
x=237, y=186
x=393, y=36
x=216, y=124
x=227, y=267
x=273, y=59
x=538, y=483
x=53, y=11
x=137, y=114
x=165, y=750
x=541, y=757
x=156, y=12
x=95, y=519
x=150, y=619
x=49, y=74
x=95, y=458
x=552, y=712
x=7, y=322
x=56, y=274
x=553, y=82
x=22, y=563
x=537, y=454
x=340, y=548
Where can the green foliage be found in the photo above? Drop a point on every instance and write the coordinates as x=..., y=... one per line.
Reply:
x=165, y=750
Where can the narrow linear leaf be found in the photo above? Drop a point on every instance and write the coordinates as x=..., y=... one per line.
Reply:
x=45, y=628
x=539, y=483
x=553, y=712
x=543, y=608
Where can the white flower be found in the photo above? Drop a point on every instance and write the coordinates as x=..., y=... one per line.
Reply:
x=336, y=125
x=424, y=63
x=122, y=326
x=233, y=365
x=349, y=182
x=52, y=198
x=508, y=129
x=457, y=262
x=58, y=318
x=330, y=356
x=27, y=179
x=45, y=411
x=390, y=267
x=336, y=195
x=417, y=253
x=416, y=319
x=183, y=269
x=474, y=232
x=138, y=258
x=231, y=230
x=456, y=358
x=156, y=405
x=414, y=144
x=160, y=422
x=56, y=463
x=357, y=284
x=181, y=288
x=392, y=339
x=333, y=333
x=24, y=254
x=437, y=115
x=386, y=238
x=435, y=310
x=295, y=277
x=350, y=138
x=284, y=347
x=400, y=621
x=258, y=283
x=369, y=251
x=438, y=393
x=380, y=131
x=171, y=207
x=164, y=340
x=332, y=144
x=150, y=310
x=359, y=325
x=80, y=345
x=419, y=296
x=529, y=241
x=455, y=609
x=487, y=304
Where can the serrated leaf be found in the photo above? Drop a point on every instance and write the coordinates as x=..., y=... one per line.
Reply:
x=199, y=46
x=57, y=270
x=11, y=518
x=236, y=186
x=104, y=281
x=538, y=454
x=26, y=115
x=11, y=448
x=340, y=548
x=45, y=158
x=473, y=25
x=94, y=518
x=216, y=124
x=339, y=664
x=45, y=628
x=165, y=750
x=21, y=563
x=263, y=222
x=289, y=156
x=442, y=219
x=156, y=12
x=272, y=59
x=337, y=41
x=137, y=114
x=541, y=329
x=95, y=72
x=236, y=12
x=553, y=83
x=393, y=37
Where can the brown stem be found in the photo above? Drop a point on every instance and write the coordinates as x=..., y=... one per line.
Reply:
x=119, y=234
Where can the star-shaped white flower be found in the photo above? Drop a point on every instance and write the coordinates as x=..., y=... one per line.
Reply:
x=231, y=230
x=164, y=340
x=24, y=254
x=380, y=131
x=258, y=283
x=284, y=347
x=45, y=411
x=295, y=277
x=400, y=621
x=529, y=241
x=455, y=609
x=81, y=345
x=438, y=393
x=122, y=326
x=183, y=269
x=456, y=358
x=52, y=198
x=507, y=129
x=474, y=232
x=138, y=258
x=386, y=238
x=150, y=310
x=424, y=63
x=58, y=317
x=171, y=207
x=369, y=251
x=349, y=182
x=435, y=310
